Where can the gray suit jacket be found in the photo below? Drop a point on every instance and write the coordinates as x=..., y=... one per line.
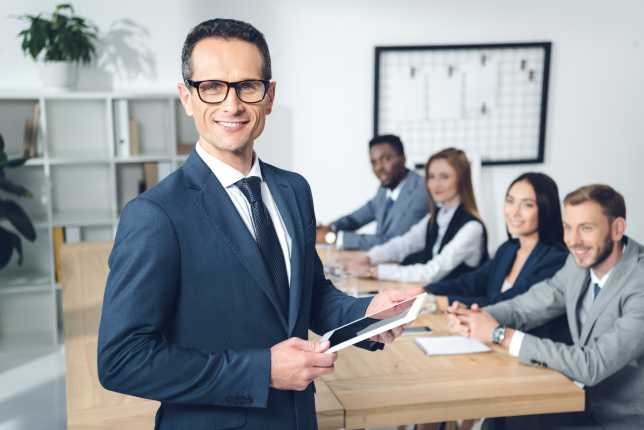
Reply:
x=608, y=351
x=411, y=205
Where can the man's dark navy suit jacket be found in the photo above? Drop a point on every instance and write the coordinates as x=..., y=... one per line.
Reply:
x=189, y=313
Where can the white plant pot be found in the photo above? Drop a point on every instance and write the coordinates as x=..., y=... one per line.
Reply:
x=59, y=75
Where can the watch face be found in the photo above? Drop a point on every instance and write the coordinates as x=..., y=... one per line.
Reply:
x=498, y=334
x=330, y=237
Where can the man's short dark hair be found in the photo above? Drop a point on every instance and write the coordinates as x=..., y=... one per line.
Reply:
x=225, y=29
x=390, y=139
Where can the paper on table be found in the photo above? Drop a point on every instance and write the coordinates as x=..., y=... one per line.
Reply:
x=446, y=345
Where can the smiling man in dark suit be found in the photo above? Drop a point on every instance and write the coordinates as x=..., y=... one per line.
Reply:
x=214, y=278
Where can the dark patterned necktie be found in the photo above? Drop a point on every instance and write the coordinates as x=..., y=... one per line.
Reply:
x=596, y=290
x=266, y=237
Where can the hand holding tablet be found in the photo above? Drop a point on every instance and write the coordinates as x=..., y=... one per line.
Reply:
x=375, y=324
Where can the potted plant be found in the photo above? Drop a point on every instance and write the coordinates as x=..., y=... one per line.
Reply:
x=58, y=43
x=12, y=212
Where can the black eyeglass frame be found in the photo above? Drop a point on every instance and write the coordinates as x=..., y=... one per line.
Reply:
x=235, y=85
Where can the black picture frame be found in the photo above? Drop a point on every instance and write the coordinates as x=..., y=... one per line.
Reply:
x=545, y=45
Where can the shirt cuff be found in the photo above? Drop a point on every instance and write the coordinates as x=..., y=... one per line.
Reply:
x=339, y=239
x=386, y=272
x=515, y=343
x=375, y=257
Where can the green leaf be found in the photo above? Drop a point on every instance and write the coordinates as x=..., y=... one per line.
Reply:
x=18, y=219
x=62, y=36
x=8, y=242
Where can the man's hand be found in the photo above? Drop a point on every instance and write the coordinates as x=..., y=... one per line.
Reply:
x=384, y=300
x=295, y=363
x=320, y=232
x=479, y=323
x=454, y=324
x=358, y=267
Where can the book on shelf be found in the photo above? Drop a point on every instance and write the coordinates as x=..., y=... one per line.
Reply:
x=153, y=172
x=32, y=124
x=150, y=175
x=184, y=148
x=135, y=136
x=58, y=238
x=121, y=128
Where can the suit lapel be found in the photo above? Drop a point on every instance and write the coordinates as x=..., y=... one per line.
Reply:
x=535, y=255
x=609, y=292
x=220, y=210
x=505, y=265
x=286, y=202
x=579, y=286
x=381, y=215
x=401, y=202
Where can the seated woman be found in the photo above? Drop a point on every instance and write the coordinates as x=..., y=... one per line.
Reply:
x=450, y=241
x=533, y=252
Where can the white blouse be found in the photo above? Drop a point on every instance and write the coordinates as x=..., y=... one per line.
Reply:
x=465, y=247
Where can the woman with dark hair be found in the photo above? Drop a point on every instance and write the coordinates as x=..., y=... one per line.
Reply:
x=534, y=250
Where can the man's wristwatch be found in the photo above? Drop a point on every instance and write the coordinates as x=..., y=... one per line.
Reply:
x=330, y=237
x=498, y=334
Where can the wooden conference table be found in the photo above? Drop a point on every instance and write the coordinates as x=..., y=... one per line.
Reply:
x=401, y=385
x=396, y=386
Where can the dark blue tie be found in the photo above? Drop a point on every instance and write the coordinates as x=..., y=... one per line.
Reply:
x=596, y=290
x=266, y=237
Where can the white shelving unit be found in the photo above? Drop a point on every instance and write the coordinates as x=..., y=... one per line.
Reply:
x=76, y=181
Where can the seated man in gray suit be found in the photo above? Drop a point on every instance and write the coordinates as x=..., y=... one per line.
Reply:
x=401, y=201
x=601, y=290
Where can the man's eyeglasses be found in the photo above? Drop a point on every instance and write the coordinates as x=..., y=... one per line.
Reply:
x=213, y=91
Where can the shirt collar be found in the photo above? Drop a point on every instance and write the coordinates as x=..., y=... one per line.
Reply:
x=226, y=174
x=393, y=194
x=594, y=279
x=445, y=214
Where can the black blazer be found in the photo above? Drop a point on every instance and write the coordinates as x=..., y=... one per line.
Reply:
x=483, y=285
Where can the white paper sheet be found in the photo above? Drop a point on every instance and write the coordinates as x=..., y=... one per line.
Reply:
x=444, y=94
x=408, y=95
x=447, y=345
x=481, y=87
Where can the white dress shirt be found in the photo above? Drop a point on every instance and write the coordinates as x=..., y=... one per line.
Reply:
x=391, y=194
x=228, y=176
x=587, y=303
x=465, y=247
x=506, y=286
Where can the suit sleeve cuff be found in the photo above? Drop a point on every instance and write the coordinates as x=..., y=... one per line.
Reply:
x=515, y=343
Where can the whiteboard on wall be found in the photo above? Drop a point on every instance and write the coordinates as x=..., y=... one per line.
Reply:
x=489, y=99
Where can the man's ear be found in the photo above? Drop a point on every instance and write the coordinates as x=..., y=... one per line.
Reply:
x=270, y=97
x=618, y=228
x=186, y=98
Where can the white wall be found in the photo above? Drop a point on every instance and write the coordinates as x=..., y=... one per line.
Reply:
x=323, y=64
